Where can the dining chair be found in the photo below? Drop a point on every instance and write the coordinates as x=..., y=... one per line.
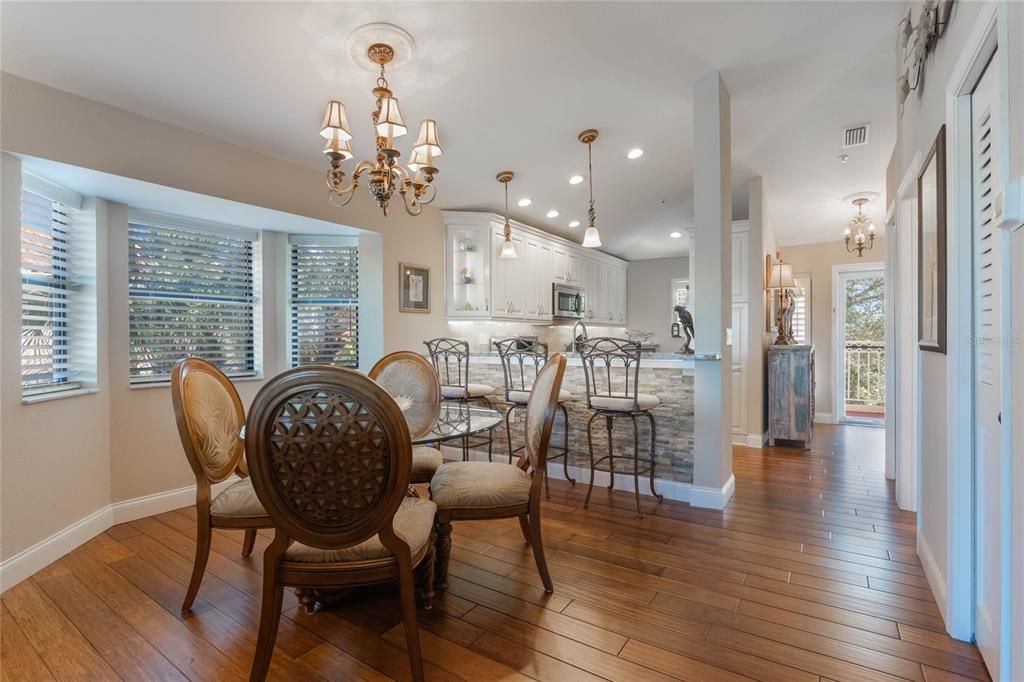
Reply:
x=495, y=490
x=611, y=367
x=330, y=455
x=413, y=383
x=210, y=416
x=521, y=362
x=450, y=358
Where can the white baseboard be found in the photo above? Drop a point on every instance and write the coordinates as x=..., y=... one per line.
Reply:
x=713, y=498
x=757, y=440
x=824, y=418
x=26, y=562
x=934, y=575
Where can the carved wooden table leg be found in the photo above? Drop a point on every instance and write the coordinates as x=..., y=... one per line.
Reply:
x=444, y=551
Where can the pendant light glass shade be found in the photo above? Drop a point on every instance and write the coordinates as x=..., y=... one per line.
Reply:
x=389, y=120
x=429, y=142
x=508, y=249
x=335, y=123
x=336, y=146
x=591, y=238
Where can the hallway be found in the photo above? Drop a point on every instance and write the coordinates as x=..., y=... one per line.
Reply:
x=809, y=574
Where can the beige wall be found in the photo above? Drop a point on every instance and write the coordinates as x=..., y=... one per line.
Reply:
x=818, y=259
x=650, y=298
x=121, y=443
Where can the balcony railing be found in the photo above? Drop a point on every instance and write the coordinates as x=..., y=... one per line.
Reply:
x=865, y=377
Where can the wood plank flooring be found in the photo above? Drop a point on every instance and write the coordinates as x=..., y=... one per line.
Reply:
x=809, y=574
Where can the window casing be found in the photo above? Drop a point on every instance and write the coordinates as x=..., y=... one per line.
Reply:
x=47, y=280
x=802, y=309
x=323, y=301
x=191, y=292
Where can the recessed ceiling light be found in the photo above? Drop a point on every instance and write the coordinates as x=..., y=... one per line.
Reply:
x=576, y=179
x=552, y=213
x=675, y=235
x=635, y=153
x=525, y=201
x=574, y=223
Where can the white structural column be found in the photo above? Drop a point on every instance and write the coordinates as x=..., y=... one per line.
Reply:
x=711, y=280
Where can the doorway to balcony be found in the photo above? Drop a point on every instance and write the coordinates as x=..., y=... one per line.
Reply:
x=858, y=304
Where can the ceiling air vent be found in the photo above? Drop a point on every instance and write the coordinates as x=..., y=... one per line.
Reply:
x=856, y=136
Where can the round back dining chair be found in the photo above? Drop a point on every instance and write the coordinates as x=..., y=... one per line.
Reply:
x=210, y=416
x=329, y=452
x=412, y=382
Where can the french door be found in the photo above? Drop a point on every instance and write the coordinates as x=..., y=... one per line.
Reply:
x=859, y=360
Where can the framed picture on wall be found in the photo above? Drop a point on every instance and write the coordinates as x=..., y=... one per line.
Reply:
x=931, y=256
x=413, y=288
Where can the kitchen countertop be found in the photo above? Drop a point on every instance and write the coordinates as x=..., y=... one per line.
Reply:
x=652, y=360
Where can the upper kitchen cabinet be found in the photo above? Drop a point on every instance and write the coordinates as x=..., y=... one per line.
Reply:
x=468, y=269
x=481, y=285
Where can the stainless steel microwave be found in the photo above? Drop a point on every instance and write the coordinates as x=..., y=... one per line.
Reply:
x=568, y=302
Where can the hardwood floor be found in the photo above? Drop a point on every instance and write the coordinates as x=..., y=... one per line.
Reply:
x=809, y=574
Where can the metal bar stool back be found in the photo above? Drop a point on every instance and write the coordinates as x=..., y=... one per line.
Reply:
x=450, y=358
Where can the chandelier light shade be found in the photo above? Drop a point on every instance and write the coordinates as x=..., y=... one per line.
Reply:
x=860, y=231
x=389, y=119
x=508, y=248
x=339, y=147
x=415, y=184
x=335, y=125
x=591, y=238
x=428, y=142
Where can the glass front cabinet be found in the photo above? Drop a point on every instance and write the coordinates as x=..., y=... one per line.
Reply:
x=467, y=269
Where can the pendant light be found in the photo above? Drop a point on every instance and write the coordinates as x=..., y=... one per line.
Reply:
x=591, y=238
x=508, y=249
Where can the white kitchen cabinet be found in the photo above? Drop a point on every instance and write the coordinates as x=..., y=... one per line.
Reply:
x=573, y=274
x=467, y=270
x=508, y=290
x=609, y=303
x=559, y=264
x=589, y=280
x=740, y=253
x=537, y=279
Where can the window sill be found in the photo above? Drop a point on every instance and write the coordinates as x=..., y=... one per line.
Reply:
x=56, y=395
x=167, y=384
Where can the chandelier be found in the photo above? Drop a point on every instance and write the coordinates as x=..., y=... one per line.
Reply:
x=508, y=249
x=591, y=238
x=415, y=185
x=860, y=230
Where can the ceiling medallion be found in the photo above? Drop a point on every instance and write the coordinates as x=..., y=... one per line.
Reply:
x=591, y=238
x=861, y=230
x=415, y=185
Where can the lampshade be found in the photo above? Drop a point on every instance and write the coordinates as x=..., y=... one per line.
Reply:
x=591, y=238
x=417, y=160
x=389, y=121
x=428, y=141
x=781, y=277
x=335, y=125
x=336, y=146
x=508, y=249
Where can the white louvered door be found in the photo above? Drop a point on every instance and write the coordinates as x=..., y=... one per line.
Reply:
x=988, y=371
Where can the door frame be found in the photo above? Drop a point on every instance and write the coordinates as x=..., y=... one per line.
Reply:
x=838, y=333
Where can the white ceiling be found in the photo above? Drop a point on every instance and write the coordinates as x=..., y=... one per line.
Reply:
x=511, y=85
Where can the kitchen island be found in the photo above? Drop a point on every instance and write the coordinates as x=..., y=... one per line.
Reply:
x=666, y=375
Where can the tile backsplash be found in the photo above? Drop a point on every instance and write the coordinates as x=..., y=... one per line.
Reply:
x=480, y=334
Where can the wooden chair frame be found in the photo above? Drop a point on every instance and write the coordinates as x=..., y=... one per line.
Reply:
x=432, y=409
x=206, y=476
x=280, y=394
x=533, y=462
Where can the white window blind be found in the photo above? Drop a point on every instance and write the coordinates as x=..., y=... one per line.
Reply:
x=46, y=280
x=802, y=309
x=324, y=302
x=190, y=292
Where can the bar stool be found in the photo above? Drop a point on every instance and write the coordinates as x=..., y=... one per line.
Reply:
x=612, y=370
x=521, y=363
x=450, y=358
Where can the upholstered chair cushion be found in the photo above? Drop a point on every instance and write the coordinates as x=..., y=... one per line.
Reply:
x=414, y=521
x=523, y=397
x=645, y=401
x=425, y=460
x=238, y=500
x=479, y=484
x=475, y=391
x=213, y=419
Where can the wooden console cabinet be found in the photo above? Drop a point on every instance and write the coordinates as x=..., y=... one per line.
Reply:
x=791, y=394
